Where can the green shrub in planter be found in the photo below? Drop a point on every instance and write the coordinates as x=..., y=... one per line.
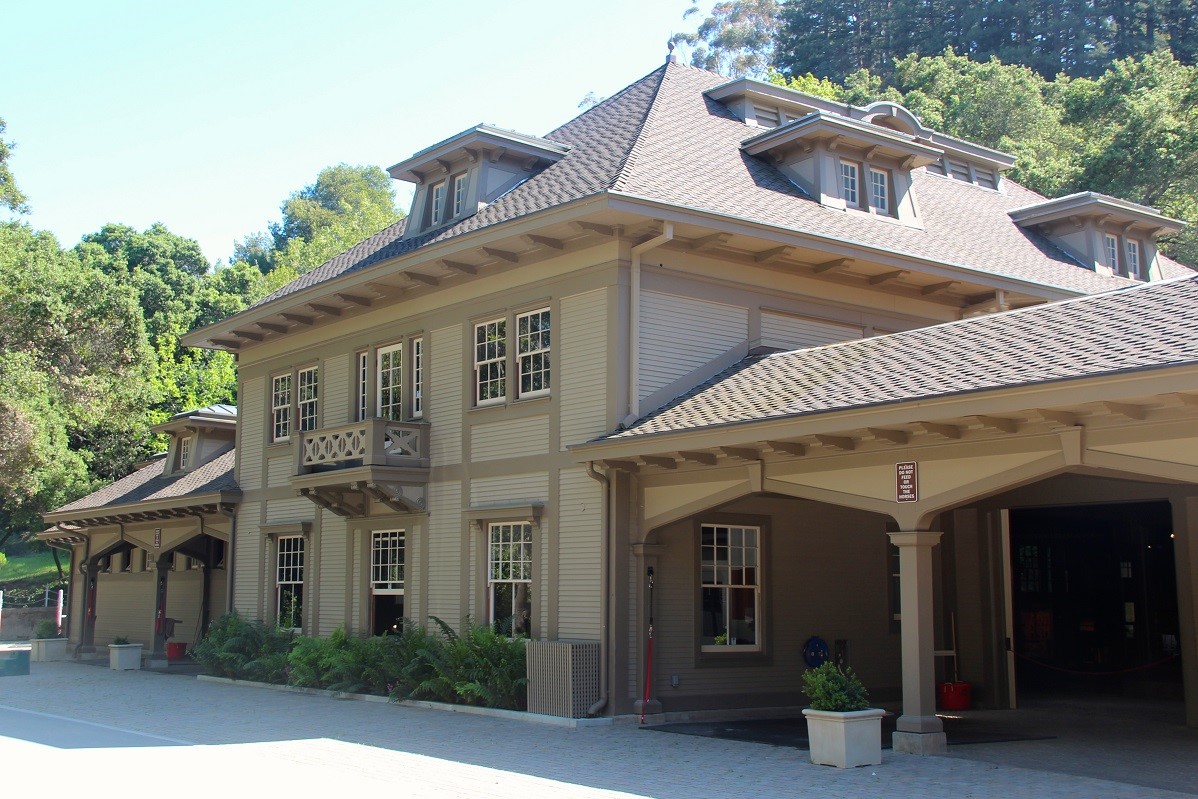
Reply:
x=831, y=688
x=45, y=629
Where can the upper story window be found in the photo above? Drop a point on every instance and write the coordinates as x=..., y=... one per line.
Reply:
x=1133, y=259
x=848, y=182
x=385, y=390
x=184, y=452
x=437, y=209
x=1112, y=251
x=531, y=361
x=459, y=194
x=280, y=407
x=362, y=371
x=308, y=385
x=390, y=382
x=879, y=191
x=417, y=378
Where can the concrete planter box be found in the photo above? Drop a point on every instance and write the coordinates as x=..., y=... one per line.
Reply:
x=845, y=740
x=124, y=657
x=47, y=650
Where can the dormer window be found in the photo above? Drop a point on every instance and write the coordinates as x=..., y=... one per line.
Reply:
x=459, y=194
x=1112, y=252
x=1133, y=259
x=879, y=191
x=184, y=452
x=438, y=204
x=848, y=182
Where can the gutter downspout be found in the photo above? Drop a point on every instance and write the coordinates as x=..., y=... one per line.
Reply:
x=606, y=550
x=231, y=514
x=634, y=321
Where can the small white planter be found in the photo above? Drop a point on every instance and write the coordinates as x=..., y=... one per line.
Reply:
x=47, y=650
x=845, y=740
x=124, y=657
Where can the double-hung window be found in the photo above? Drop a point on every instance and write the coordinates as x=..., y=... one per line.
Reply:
x=879, y=191
x=280, y=407
x=532, y=347
x=289, y=582
x=730, y=566
x=509, y=578
x=490, y=362
x=389, y=377
x=437, y=200
x=459, y=194
x=184, y=452
x=387, y=581
x=531, y=357
x=848, y=182
x=308, y=385
x=1111, y=245
x=417, y=378
x=362, y=373
x=1133, y=259
x=390, y=382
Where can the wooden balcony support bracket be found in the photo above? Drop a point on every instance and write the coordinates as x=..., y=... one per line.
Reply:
x=792, y=448
x=396, y=496
x=704, y=458
x=773, y=254
x=659, y=461
x=335, y=501
x=545, y=241
x=846, y=443
x=741, y=453
x=945, y=430
x=501, y=255
x=899, y=437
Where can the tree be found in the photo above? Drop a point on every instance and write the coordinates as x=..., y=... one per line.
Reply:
x=735, y=39
x=10, y=196
x=360, y=198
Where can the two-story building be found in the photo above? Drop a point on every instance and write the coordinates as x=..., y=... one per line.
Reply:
x=575, y=361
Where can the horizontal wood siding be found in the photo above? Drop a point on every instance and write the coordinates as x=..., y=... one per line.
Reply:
x=125, y=607
x=582, y=368
x=184, y=601
x=333, y=568
x=443, y=395
x=251, y=422
x=796, y=332
x=335, y=404
x=218, y=593
x=297, y=509
x=279, y=470
x=680, y=334
x=580, y=535
x=512, y=488
x=445, y=552
x=247, y=560
x=510, y=439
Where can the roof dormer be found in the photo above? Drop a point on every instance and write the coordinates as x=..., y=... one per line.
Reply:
x=198, y=436
x=1106, y=234
x=458, y=176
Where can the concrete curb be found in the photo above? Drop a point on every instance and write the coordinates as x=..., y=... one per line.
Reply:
x=511, y=715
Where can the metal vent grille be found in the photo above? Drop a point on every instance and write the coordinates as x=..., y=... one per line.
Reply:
x=563, y=677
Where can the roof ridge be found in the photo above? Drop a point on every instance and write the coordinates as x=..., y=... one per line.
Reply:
x=630, y=158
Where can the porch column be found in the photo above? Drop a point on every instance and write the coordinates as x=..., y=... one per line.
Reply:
x=647, y=556
x=919, y=730
x=1185, y=554
x=163, y=570
x=87, y=636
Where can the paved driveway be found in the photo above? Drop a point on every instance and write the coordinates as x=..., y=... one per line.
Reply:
x=87, y=728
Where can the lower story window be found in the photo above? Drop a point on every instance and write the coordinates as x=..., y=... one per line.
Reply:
x=731, y=587
x=509, y=578
x=289, y=582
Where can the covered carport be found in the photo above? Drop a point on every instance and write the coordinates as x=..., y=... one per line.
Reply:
x=947, y=433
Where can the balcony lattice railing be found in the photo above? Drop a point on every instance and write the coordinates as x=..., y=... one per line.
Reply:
x=372, y=442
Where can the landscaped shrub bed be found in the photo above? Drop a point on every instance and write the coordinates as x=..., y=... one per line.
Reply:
x=476, y=667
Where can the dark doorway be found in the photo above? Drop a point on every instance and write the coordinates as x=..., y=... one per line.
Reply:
x=387, y=614
x=1094, y=596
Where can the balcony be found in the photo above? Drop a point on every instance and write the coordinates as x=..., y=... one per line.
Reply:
x=347, y=468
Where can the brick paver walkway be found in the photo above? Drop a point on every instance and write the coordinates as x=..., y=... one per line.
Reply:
x=238, y=739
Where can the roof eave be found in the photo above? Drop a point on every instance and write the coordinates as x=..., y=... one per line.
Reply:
x=184, y=503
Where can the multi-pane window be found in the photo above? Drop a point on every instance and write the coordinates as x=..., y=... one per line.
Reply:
x=1133, y=258
x=417, y=378
x=879, y=191
x=731, y=579
x=289, y=581
x=308, y=392
x=184, y=452
x=280, y=407
x=509, y=578
x=459, y=194
x=1112, y=252
x=532, y=347
x=848, y=182
x=437, y=212
x=362, y=369
x=490, y=356
x=387, y=561
x=390, y=377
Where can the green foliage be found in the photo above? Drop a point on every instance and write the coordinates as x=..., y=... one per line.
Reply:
x=736, y=38
x=478, y=667
x=831, y=688
x=11, y=197
x=35, y=566
x=120, y=640
x=242, y=649
x=45, y=629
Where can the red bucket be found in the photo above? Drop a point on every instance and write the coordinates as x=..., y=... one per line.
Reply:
x=954, y=695
x=176, y=650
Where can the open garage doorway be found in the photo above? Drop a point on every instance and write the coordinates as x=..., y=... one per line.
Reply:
x=1094, y=600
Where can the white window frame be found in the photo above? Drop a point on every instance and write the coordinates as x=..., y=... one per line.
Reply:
x=418, y=378
x=387, y=562
x=509, y=562
x=437, y=203
x=459, y=194
x=184, y=452
x=307, y=383
x=850, y=184
x=362, y=364
x=280, y=408
x=1111, y=244
x=1134, y=269
x=289, y=578
x=389, y=392
x=879, y=202
x=533, y=353
x=490, y=362
x=721, y=575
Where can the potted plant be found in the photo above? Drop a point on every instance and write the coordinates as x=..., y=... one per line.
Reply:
x=47, y=645
x=842, y=729
x=122, y=655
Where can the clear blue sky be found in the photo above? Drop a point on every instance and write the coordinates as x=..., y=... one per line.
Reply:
x=205, y=116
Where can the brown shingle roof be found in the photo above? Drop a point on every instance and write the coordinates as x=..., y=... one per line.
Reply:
x=148, y=484
x=1150, y=326
x=662, y=139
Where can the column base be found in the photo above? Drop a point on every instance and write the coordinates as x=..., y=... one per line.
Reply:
x=652, y=707
x=919, y=743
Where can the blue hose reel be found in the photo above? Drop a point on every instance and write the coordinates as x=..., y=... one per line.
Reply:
x=816, y=652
